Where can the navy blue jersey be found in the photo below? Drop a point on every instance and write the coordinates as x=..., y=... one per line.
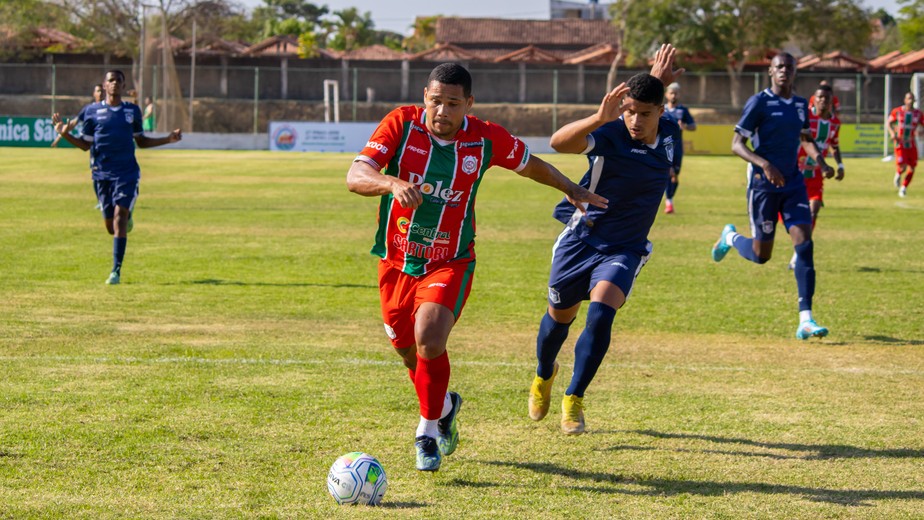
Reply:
x=112, y=131
x=774, y=125
x=632, y=176
x=681, y=114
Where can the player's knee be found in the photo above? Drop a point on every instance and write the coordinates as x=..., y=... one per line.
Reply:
x=763, y=259
x=430, y=350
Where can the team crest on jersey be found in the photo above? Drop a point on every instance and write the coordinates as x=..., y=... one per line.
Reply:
x=469, y=164
x=767, y=226
x=129, y=117
x=801, y=114
x=669, y=148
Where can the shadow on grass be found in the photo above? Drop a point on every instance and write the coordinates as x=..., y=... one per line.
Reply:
x=214, y=281
x=869, y=269
x=893, y=341
x=670, y=487
x=401, y=505
x=812, y=451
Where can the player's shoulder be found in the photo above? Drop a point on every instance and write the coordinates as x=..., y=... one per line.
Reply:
x=797, y=99
x=667, y=124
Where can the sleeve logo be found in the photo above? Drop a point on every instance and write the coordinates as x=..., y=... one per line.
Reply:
x=377, y=146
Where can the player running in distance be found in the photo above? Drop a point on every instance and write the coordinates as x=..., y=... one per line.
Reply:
x=775, y=184
x=426, y=164
x=110, y=131
x=906, y=126
x=684, y=118
x=825, y=127
x=631, y=146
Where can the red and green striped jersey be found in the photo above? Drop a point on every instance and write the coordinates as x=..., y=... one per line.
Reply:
x=825, y=133
x=908, y=121
x=441, y=229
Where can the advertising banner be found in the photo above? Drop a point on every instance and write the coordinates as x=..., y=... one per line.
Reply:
x=294, y=136
x=28, y=132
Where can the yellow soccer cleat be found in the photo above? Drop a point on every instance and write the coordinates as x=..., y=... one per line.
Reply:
x=540, y=395
x=572, y=415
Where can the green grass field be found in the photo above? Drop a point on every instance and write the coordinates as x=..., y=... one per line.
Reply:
x=244, y=352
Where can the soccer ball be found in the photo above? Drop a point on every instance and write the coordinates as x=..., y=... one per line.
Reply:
x=357, y=478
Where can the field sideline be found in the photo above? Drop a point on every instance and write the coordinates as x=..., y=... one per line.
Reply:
x=244, y=352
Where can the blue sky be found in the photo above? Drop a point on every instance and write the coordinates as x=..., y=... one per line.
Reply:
x=398, y=15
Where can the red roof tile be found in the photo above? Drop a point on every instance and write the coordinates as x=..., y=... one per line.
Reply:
x=543, y=33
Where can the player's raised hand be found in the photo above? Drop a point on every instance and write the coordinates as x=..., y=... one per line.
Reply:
x=663, y=66
x=176, y=135
x=611, y=106
x=60, y=126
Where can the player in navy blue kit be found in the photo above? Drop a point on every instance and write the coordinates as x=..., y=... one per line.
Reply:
x=684, y=118
x=110, y=131
x=630, y=145
x=777, y=124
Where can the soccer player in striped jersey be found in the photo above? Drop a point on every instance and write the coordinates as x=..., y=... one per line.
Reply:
x=631, y=146
x=776, y=122
x=684, y=118
x=434, y=159
x=906, y=125
x=110, y=131
x=825, y=126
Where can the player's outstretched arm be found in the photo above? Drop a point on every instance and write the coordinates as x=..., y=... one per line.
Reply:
x=544, y=173
x=663, y=66
x=808, y=144
x=63, y=131
x=365, y=180
x=572, y=138
x=144, y=141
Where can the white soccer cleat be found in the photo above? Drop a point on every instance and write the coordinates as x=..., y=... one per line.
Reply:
x=903, y=191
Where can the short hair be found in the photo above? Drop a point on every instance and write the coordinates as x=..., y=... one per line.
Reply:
x=826, y=88
x=783, y=56
x=645, y=88
x=116, y=71
x=452, y=74
x=674, y=86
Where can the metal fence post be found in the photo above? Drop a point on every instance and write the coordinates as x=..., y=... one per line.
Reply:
x=887, y=98
x=256, y=96
x=54, y=86
x=554, y=100
x=355, y=90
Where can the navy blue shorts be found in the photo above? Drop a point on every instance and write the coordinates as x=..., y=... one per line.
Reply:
x=578, y=267
x=116, y=193
x=765, y=207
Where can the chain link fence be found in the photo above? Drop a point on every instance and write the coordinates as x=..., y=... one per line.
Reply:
x=245, y=99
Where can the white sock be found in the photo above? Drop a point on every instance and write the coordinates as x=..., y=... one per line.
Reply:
x=427, y=427
x=670, y=201
x=447, y=406
x=794, y=257
x=730, y=239
x=805, y=316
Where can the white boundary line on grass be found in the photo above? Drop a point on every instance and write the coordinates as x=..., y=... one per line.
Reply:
x=905, y=205
x=127, y=360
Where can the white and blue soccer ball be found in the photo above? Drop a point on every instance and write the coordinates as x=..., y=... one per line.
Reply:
x=357, y=478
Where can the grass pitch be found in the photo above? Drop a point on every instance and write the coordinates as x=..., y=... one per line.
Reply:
x=244, y=352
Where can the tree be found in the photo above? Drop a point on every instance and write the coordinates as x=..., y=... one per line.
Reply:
x=424, y=36
x=824, y=25
x=352, y=30
x=729, y=32
x=292, y=17
x=18, y=18
x=911, y=24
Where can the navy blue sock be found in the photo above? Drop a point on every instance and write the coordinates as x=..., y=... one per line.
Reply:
x=671, y=189
x=805, y=274
x=591, y=347
x=745, y=247
x=548, y=343
x=118, y=253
